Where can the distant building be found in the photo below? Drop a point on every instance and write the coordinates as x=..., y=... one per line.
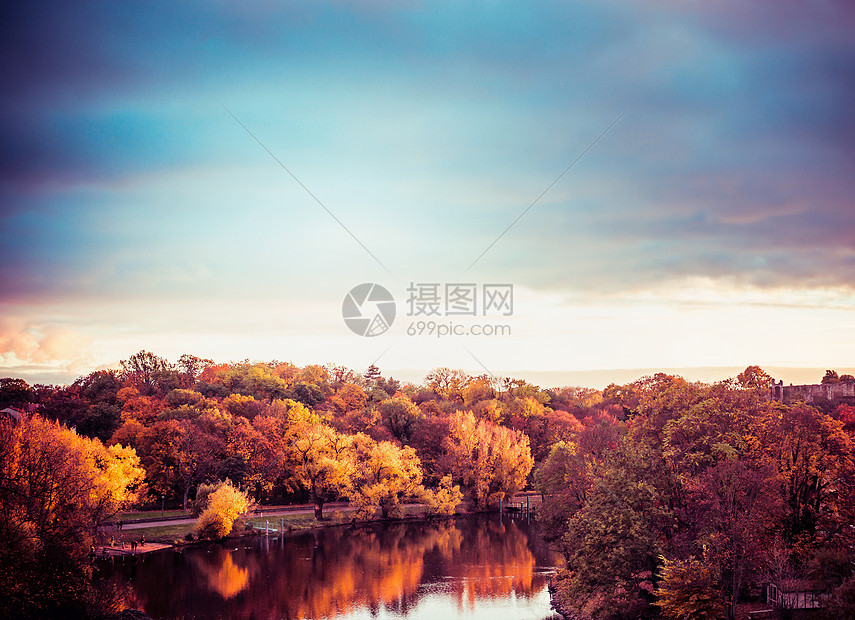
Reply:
x=817, y=394
x=793, y=594
x=11, y=412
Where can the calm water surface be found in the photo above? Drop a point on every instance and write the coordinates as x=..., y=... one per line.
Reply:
x=473, y=567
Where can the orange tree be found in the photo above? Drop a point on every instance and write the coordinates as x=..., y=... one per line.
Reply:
x=56, y=488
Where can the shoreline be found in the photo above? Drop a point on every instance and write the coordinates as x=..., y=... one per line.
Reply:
x=108, y=551
x=157, y=543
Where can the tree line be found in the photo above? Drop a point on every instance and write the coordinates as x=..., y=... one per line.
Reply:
x=670, y=498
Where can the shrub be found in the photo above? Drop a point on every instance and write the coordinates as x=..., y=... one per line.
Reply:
x=444, y=500
x=224, y=506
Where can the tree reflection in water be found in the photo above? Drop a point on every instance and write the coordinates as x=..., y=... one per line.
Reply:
x=221, y=573
x=337, y=572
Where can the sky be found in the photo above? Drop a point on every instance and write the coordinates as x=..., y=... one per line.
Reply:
x=659, y=185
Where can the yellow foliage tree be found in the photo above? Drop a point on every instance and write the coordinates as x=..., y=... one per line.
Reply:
x=490, y=460
x=384, y=475
x=443, y=500
x=225, y=505
x=323, y=462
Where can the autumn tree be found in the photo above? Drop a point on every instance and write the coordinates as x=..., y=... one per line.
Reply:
x=250, y=456
x=268, y=459
x=442, y=501
x=15, y=393
x=145, y=409
x=241, y=405
x=754, y=377
x=624, y=396
x=159, y=447
x=479, y=389
x=688, y=590
x=199, y=448
x=490, y=460
x=323, y=463
x=384, y=475
x=529, y=415
x=191, y=368
x=56, y=488
x=144, y=371
x=830, y=377
x=224, y=505
x=814, y=456
x=448, y=384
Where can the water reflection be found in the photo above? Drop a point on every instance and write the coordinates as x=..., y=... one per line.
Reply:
x=398, y=569
x=222, y=575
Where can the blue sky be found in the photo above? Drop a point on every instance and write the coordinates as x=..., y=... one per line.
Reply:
x=712, y=225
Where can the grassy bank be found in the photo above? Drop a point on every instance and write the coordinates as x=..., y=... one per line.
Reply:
x=158, y=532
x=176, y=534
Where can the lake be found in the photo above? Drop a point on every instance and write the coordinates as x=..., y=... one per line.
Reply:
x=474, y=567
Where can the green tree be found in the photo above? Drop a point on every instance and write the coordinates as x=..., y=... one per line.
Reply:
x=371, y=375
x=613, y=543
x=733, y=506
x=257, y=380
x=563, y=479
x=309, y=394
x=401, y=417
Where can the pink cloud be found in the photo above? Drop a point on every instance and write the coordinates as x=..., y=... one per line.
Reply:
x=48, y=343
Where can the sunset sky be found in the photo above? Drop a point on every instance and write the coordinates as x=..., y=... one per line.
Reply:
x=710, y=224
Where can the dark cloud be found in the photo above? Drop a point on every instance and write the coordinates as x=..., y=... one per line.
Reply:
x=735, y=161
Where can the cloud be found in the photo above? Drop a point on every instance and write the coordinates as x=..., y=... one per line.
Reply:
x=125, y=178
x=56, y=344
